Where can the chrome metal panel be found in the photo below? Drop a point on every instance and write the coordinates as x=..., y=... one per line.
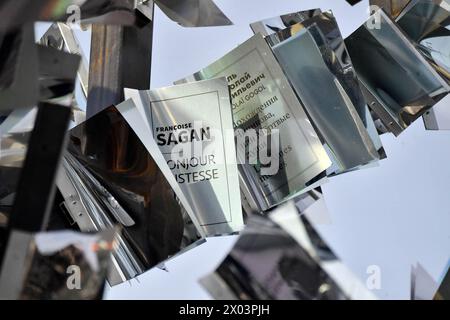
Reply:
x=268, y=263
x=40, y=266
x=314, y=57
x=269, y=104
x=194, y=13
x=106, y=148
x=273, y=25
x=427, y=24
x=207, y=168
x=394, y=74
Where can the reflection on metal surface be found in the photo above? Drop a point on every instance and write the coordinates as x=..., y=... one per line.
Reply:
x=194, y=13
x=314, y=57
x=423, y=286
x=427, y=24
x=273, y=25
x=120, y=58
x=398, y=82
x=438, y=117
x=206, y=170
x=108, y=148
x=18, y=69
x=263, y=99
x=443, y=292
x=57, y=84
x=61, y=36
x=300, y=226
x=268, y=263
x=56, y=265
x=392, y=7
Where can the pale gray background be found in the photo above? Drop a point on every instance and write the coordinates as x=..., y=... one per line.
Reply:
x=392, y=216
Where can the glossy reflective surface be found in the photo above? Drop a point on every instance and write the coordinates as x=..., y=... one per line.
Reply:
x=191, y=124
x=108, y=148
x=194, y=13
x=267, y=263
x=263, y=99
x=314, y=58
x=427, y=24
x=56, y=265
x=399, y=82
x=273, y=25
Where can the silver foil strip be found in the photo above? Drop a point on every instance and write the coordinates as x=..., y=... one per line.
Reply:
x=193, y=127
x=119, y=182
x=314, y=57
x=427, y=24
x=194, y=13
x=60, y=265
x=18, y=69
x=392, y=7
x=273, y=25
x=268, y=263
x=399, y=84
x=263, y=99
x=301, y=223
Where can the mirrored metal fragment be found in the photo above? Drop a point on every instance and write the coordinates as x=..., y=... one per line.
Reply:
x=120, y=58
x=36, y=186
x=18, y=69
x=15, y=132
x=423, y=286
x=273, y=25
x=301, y=225
x=194, y=13
x=427, y=24
x=268, y=263
x=107, y=163
x=266, y=111
x=397, y=81
x=56, y=265
x=314, y=57
x=391, y=7
x=61, y=36
x=15, y=13
x=57, y=75
x=193, y=127
x=438, y=117
x=443, y=293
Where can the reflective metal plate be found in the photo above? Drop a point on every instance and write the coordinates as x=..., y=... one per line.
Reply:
x=314, y=58
x=110, y=152
x=205, y=166
x=398, y=82
x=263, y=99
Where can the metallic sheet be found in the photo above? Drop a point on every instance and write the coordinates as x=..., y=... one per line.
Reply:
x=18, y=69
x=392, y=7
x=272, y=104
x=108, y=148
x=397, y=81
x=273, y=25
x=299, y=224
x=194, y=13
x=202, y=105
x=427, y=24
x=423, y=286
x=17, y=12
x=443, y=293
x=42, y=266
x=268, y=263
x=315, y=60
